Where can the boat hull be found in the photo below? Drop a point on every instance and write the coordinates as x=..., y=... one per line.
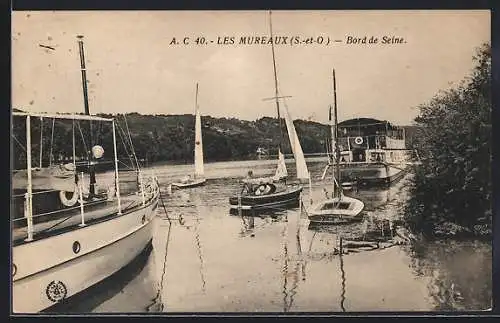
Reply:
x=52, y=269
x=325, y=213
x=333, y=220
x=194, y=183
x=373, y=175
x=251, y=203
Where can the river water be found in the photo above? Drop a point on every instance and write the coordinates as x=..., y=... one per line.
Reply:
x=210, y=261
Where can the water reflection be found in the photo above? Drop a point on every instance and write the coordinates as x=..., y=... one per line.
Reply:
x=206, y=260
x=290, y=269
x=342, y=294
x=248, y=226
x=459, y=272
x=156, y=304
x=200, y=254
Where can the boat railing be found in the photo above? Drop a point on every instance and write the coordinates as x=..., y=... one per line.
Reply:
x=376, y=141
x=113, y=190
x=30, y=220
x=61, y=211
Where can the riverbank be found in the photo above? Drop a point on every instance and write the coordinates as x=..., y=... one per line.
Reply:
x=451, y=192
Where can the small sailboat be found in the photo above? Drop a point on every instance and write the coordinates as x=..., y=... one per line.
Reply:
x=66, y=238
x=199, y=169
x=273, y=193
x=339, y=208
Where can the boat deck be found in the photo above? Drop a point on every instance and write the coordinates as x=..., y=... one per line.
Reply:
x=98, y=209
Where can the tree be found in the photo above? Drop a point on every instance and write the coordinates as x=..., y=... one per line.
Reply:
x=454, y=140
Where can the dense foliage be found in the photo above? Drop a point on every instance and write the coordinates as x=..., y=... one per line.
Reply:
x=453, y=185
x=161, y=138
x=165, y=138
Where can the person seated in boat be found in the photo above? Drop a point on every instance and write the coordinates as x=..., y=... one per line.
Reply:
x=260, y=190
x=248, y=186
x=264, y=188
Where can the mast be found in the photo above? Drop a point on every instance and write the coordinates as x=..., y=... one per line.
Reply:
x=87, y=112
x=332, y=143
x=276, y=83
x=337, y=150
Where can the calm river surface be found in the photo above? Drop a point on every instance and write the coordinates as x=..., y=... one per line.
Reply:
x=216, y=262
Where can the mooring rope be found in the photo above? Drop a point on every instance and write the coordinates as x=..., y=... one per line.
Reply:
x=160, y=288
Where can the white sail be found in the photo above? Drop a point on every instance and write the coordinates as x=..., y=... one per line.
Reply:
x=199, y=171
x=300, y=161
x=281, y=171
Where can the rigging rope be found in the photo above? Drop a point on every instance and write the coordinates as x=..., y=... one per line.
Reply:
x=83, y=138
x=131, y=143
x=20, y=144
x=120, y=131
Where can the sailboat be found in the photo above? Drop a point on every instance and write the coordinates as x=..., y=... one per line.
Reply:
x=339, y=208
x=199, y=169
x=66, y=238
x=273, y=193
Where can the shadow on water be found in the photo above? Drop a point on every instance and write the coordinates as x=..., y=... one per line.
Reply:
x=289, y=277
x=459, y=272
x=89, y=299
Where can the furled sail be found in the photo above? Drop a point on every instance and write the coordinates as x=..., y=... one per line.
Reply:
x=300, y=161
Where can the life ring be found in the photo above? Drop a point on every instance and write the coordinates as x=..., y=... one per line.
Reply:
x=69, y=202
x=358, y=140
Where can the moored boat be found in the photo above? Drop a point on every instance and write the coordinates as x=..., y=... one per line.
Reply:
x=338, y=209
x=199, y=170
x=372, y=152
x=69, y=244
x=273, y=193
x=67, y=236
x=266, y=196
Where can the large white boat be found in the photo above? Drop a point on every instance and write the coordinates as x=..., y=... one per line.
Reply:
x=70, y=227
x=372, y=152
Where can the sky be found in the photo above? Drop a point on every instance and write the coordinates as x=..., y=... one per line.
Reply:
x=133, y=67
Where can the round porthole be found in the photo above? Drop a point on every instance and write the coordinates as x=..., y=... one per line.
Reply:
x=14, y=270
x=76, y=247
